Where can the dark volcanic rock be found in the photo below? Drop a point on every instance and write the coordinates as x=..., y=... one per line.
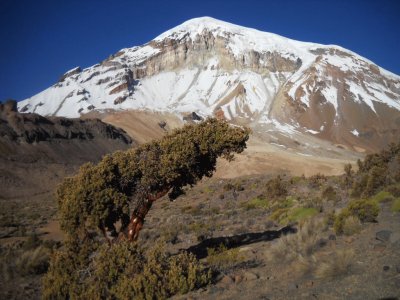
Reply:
x=383, y=235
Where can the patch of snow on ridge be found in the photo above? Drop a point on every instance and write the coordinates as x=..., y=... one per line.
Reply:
x=330, y=94
x=312, y=131
x=355, y=132
x=286, y=128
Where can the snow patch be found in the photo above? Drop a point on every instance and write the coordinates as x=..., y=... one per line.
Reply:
x=312, y=131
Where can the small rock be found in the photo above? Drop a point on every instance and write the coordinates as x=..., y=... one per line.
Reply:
x=349, y=239
x=250, y=276
x=292, y=286
x=398, y=269
x=386, y=268
x=383, y=235
x=332, y=237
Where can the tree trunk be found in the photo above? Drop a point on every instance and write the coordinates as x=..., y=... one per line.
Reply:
x=140, y=212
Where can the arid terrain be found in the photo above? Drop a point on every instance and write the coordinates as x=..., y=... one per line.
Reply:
x=265, y=237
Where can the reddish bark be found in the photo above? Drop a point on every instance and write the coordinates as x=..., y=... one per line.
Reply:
x=140, y=212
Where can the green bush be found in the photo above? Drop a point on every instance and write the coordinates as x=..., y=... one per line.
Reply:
x=222, y=259
x=255, y=203
x=383, y=196
x=124, y=271
x=396, y=205
x=377, y=171
x=301, y=213
x=365, y=210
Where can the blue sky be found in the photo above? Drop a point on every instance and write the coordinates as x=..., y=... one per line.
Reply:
x=40, y=40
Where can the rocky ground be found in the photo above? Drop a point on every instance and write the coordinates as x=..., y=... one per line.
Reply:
x=261, y=246
x=265, y=237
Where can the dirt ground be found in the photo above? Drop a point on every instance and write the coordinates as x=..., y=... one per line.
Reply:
x=262, y=156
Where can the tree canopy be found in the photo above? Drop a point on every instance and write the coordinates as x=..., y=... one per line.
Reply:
x=101, y=194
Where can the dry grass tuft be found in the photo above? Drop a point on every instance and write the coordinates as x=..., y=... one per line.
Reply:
x=338, y=263
x=304, y=243
x=352, y=225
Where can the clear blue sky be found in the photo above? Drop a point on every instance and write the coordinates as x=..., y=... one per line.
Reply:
x=40, y=40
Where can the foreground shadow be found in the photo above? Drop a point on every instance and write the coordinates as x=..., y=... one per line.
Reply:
x=200, y=250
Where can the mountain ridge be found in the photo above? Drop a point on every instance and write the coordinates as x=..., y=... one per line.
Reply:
x=247, y=76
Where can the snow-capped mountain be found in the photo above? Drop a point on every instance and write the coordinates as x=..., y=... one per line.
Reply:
x=257, y=78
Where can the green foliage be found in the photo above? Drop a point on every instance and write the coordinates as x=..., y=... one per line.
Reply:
x=124, y=271
x=222, y=259
x=256, y=203
x=377, y=171
x=366, y=210
x=301, y=213
x=383, y=196
x=99, y=195
x=396, y=205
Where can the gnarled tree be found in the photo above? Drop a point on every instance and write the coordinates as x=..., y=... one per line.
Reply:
x=100, y=196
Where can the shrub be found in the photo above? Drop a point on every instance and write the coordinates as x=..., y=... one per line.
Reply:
x=376, y=179
x=301, y=213
x=280, y=214
x=276, y=187
x=317, y=180
x=383, y=196
x=329, y=194
x=228, y=187
x=396, y=205
x=255, y=203
x=124, y=271
x=364, y=210
x=314, y=202
x=351, y=225
x=222, y=259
